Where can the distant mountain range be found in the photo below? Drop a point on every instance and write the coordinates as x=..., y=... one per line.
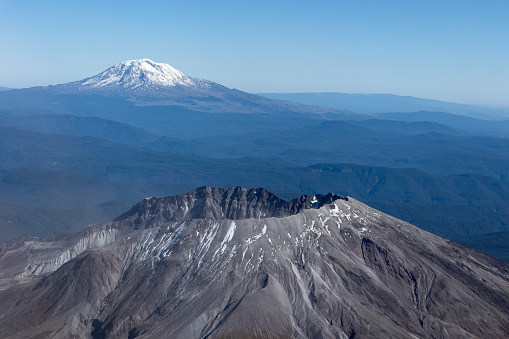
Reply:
x=99, y=167
x=389, y=103
x=82, y=152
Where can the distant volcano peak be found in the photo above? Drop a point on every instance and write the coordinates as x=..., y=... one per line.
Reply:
x=148, y=83
x=140, y=74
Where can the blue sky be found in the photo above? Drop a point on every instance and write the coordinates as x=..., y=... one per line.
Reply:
x=452, y=50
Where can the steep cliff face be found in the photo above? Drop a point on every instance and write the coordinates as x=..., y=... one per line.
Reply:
x=224, y=263
x=219, y=203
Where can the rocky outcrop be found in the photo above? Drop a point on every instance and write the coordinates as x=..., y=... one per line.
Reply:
x=207, y=202
x=22, y=261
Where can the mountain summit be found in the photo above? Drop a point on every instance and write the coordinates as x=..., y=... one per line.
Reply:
x=148, y=83
x=143, y=74
x=238, y=263
x=143, y=77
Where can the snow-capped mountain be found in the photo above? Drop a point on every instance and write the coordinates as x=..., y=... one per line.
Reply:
x=141, y=74
x=238, y=263
x=143, y=80
x=146, y=82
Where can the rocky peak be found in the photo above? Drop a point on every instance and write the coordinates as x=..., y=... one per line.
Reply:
x=235, y=203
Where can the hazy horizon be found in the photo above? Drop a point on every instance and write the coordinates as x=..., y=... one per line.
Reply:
x=450, y=51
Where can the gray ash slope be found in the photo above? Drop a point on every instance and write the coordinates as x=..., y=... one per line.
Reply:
x=224, y=263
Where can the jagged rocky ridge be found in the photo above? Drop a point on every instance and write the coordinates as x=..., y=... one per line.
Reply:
x=224, y=263
x=222, y=203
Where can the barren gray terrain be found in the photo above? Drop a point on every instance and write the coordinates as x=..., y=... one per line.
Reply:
x=236, y=263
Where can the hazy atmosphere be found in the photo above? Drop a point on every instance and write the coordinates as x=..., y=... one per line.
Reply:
x=453, y=50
